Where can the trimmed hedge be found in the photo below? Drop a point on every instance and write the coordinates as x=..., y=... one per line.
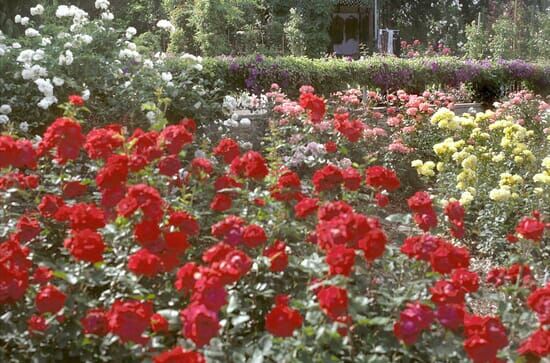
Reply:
x=488, y=79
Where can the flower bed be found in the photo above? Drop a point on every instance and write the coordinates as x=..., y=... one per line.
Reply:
x=133, y=245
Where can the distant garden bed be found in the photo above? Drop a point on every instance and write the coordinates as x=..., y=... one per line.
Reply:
x=487, y=79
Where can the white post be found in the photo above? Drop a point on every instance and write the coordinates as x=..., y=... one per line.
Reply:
x=376, y=35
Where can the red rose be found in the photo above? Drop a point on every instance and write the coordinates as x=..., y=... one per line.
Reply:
x=174, y=137
x=538, y=344
x=447, y=257
x=327, y=178
x=233, y=267
x=446, y=292
x=209, y=291
x=201, y=167
x=199, y=324
x=85, y=245
x=333, y=301
x=467, y=280
x=221, y=202
x=42, y=275
x=95, y=322
x=451, y=316
x=420, y=202
x=530, y=228
x=314, y=105
x=146, y=232
x=50, y=299
x=129, y=320
x=455, y=211
x=251, y=165
x=159, y=324
x=14, y=275
x=379, y=177
x=539, y=302
x=382, y=200
x=228, y=149
x=145, y=263
x=185, y=222
x=352, y=178
x=288, y=187
x=76, y=100
x=185, y=277
x=25, y=155
x=114, y=173
x=66, y=136
x=254, y=236
x=306, y=207
x=49, y=205
x=37, y=323
x=102, y=142
x=331, y=147
x=74, y=189
x=484, y=337
x=414, y=319
x=86, y=216
x=373, y=244
x=176, y=242
x=278, y=258
x=352, y=130
x=169, y=165
x=179, y=355
x=8, y=151
x=341, y=260
x=27, y=229
x=282, y=320
x=145, y=144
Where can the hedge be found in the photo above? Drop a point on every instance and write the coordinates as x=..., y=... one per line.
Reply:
x=488, y=79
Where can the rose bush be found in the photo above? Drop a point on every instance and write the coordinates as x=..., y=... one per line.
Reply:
x=122, y=244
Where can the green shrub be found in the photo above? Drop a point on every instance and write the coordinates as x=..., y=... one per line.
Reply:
x=488, y=79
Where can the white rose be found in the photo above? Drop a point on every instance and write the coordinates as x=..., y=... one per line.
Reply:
x=4, y=119
x=25, y=21
x=17, y=19
x=37, y=10
x=198, y=67
x=46, y=41
x=102, y=4
x=31, y=32
x=107, y=15
x=38, y=55
x=5, y=109
x=62, y=11
x=46, y=102
x=58, y=81
x=166, y=76
x=165, y=25
x=130, y=32
x=16, y=45
x=24, y=126
x=245, y=122
x=86, y=39
x=25, y=56
x=151, y=116
x=86, y=94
